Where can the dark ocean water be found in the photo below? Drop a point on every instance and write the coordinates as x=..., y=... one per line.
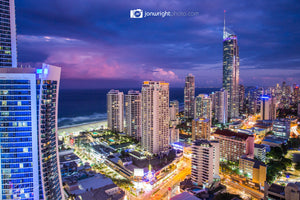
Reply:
x=83, y=106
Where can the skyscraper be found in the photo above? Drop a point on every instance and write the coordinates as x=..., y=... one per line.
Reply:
x=200, y=129
x=29, y=147
x=268, y=108
x=221, y=106
x=241, y=99
x=133, y=109
x=8, y=49
x=231, y=71
x=189, y=97
x=115, y=110
x=174, y=110
x=155, y=116
x=203, y=107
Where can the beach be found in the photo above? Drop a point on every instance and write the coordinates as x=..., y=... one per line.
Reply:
x=82, y=127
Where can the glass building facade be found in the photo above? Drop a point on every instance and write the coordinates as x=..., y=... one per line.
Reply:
x=28, y=133
x=231, y=73
x=8, y=49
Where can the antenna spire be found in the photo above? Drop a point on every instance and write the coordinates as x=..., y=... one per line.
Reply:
x=224, y=24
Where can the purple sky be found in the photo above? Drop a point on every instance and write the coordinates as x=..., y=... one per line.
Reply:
x=98, y=45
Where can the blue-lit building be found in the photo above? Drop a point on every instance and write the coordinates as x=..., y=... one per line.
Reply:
x=8, y=44
x=231, y=65
x=28, y=133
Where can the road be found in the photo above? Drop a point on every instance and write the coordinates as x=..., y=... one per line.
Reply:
x=161, y=191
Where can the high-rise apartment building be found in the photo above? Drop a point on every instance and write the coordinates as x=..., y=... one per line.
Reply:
x=268, y=108
x=133, y=114
x=203, y=107
x=29, y=147
x=241, y=99
x=233, y=145
x=189, y=97
x=200, y=129
x=8, y=43
x=221, y=106
x=155, y=116
x=115, y=110
x=205, y=162
x=174, y=110
x=231, y=64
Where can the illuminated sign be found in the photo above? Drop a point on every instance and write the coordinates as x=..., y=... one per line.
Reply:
x=39, y=71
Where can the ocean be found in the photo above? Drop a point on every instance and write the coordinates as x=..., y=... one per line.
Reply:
x=83, y=106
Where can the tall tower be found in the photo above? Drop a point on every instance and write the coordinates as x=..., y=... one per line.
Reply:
x=133, y=109
x=115, y=110
x=203, y=107
x=221, y=106
x=155, y=116
x=29, y=147
x=231, y=71
x=189, y=97
x=8, y=49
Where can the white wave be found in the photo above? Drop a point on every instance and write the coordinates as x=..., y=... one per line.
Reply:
x=68, y=121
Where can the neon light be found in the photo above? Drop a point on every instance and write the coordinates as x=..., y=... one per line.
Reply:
x=265, y=97
x=45, y=71
x=39, y=71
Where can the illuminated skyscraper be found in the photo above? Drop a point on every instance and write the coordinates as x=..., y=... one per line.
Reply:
x=133, y=109
x=8, y=44
x=241, y=99
x=155, y=116
x=268, y=108
x=221, y=106
x=189, y=97
x=203, y=107
x=115, y=110
x=231, y=71
x=28, y=135
x=174, y=110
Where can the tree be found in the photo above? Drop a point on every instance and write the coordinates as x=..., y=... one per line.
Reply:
x=226, y=196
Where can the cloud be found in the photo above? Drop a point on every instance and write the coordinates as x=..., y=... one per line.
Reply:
x=97, y=39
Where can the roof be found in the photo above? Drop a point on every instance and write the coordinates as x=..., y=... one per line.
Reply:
x=184, y=196
x=100, y=193
x=199, y=142
x=277, y=189
x=229, y=133
x=94, y=182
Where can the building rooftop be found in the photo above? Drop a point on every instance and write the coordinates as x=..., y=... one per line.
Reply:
x=202, y=120
x=277, y=189
x=274, y=139
x=94, y=182
x=259, y=146
x=229, y=133
x=184, y=196
x=101, y=193
x=200, y=142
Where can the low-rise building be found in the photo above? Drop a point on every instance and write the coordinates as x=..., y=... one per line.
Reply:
x=260, y=151
x=289, y=192
x=282, y=128
x=233, y=145
x=255, y=170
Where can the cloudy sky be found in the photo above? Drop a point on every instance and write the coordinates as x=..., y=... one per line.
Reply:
x=98, y=45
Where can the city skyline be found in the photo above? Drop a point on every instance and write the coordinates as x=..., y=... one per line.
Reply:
x=116, y=47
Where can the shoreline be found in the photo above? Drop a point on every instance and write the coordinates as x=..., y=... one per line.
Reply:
x=82, y=127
